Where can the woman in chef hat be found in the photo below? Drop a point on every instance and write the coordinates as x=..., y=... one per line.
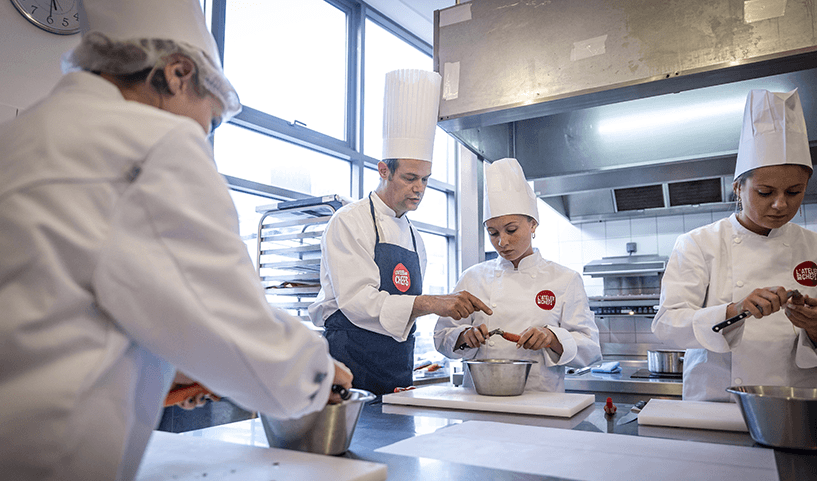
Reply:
x=752, y=261
x=121, y=259
x=544, y=302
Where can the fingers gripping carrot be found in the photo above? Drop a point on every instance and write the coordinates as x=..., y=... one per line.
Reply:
x=181, y=394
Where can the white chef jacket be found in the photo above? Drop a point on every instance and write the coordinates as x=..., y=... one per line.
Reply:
x=721, y=263
x=121, y=261
x=350, y=279
x=538, y=293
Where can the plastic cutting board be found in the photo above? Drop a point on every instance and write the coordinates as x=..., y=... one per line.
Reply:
x=184, y=458
x=693, y=414
x=539, y=403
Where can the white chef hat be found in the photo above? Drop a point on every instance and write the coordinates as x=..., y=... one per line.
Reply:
x=507, y=191
x=773, y=133
x=410, y=110
x=127, y=36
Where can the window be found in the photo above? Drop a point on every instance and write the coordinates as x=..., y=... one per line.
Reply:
x=289, y=59
x=246, y=154
x=312, y=118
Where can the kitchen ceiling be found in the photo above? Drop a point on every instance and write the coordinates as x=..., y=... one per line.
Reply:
x=416, y=16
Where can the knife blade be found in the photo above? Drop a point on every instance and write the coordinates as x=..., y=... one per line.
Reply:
x=633, y=414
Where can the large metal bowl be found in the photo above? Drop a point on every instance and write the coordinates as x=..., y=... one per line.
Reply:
x=328, y=431
x=781, y=417
x=499, y=377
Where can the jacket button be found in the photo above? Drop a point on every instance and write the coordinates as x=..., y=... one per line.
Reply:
x=737, y=240
x=738, y=381
x=493, y=305
x=739, y=283
x=491, y=343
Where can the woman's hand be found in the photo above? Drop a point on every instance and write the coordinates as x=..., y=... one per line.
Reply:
x=194, y=402
x=535, y=338
x=802, y=312
x=343, y=378
x=473, y=336
x=200, y=398
x=760, y=302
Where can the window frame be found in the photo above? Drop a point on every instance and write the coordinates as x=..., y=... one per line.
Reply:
x=350, y=149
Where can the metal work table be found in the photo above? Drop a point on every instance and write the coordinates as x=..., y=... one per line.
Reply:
x=383, y=424
x=622, y=387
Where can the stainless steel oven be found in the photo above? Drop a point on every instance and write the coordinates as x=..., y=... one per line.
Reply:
x=624, y=313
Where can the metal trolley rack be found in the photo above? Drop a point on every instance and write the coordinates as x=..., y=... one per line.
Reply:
x=289, y=250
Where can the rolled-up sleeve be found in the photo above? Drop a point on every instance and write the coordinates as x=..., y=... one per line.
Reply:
x=355, y=280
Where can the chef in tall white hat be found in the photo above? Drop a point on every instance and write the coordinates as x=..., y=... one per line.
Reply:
x=541, y=301
x=122, y=261
x=373, y=259
x=755, y=262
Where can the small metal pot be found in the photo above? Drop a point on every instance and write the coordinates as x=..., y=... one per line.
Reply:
x=665, y=361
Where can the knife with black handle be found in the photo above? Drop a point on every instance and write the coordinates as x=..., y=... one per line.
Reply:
x=743, y=315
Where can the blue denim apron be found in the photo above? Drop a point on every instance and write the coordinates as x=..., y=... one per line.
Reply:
x=378, y=362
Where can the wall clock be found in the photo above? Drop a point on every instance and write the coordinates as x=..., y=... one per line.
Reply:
x=54, y=16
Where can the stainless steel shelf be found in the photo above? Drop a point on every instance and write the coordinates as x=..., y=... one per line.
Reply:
x=288, y=255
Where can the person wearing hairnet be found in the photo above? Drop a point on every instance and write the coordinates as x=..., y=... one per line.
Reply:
x=121, y=256
x=373, y=259
x=749, y=261
x=542, y=301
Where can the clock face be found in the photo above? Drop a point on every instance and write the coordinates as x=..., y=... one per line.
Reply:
x=55, y=16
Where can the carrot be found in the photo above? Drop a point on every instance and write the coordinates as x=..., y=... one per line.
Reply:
x=510, y=337
x=181, y=394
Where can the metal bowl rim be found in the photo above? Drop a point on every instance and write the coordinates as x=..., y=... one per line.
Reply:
x=742, y=391
x=500, y=361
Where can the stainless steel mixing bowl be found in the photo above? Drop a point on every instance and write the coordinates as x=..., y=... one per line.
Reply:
x=328, y=431
x=781, y=417
x=499, y=377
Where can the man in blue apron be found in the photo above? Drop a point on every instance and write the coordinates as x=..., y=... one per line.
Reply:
x=373, y=259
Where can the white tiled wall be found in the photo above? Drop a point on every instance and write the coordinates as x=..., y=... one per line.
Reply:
x=574, y=246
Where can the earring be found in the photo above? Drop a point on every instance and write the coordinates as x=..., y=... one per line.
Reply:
x=533, y=235
x=738, y=206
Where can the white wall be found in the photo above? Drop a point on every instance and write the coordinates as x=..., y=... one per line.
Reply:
x=574, y=246
x=29, y=58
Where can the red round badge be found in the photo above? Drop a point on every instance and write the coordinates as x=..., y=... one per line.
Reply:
x=400, y=277
x=806, y=274
x=546, y=300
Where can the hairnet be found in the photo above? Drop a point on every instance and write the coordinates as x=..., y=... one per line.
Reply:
x=98, y=53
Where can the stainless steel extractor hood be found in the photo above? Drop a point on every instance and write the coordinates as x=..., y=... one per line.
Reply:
x=620, y=108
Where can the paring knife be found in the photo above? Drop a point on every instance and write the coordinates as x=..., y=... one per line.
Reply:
x=633, y=414
x=464, y=345
x=718, y=327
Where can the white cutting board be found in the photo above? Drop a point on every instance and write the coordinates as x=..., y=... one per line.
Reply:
x=587, y=456
x=447, y=396
x=176, y=457
x=693, y=414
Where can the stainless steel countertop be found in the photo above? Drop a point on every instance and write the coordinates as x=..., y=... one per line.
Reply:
x=622, y=386
x=384, y=424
